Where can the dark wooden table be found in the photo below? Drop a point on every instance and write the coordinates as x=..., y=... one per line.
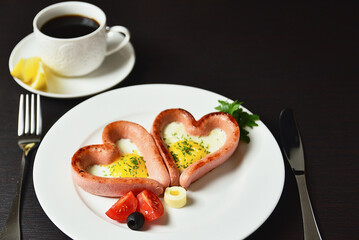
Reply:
x=270, y=56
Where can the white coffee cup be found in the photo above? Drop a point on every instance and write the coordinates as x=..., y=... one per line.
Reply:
x=77, y=56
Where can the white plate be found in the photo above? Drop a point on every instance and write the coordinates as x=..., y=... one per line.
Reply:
x=230, y=202
x=113, y=70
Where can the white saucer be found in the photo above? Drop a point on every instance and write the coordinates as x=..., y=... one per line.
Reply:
x=113, y=70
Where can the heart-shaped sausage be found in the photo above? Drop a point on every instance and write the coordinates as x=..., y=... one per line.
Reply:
x=107, y=153
x=202, y=127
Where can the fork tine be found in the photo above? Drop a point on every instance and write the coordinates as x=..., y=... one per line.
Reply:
x=38, y=116
x=32, y=115
x=20, y=125
x=28, y=122
x=27, y=114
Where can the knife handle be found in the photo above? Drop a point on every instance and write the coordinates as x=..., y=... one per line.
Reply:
x=311, y=231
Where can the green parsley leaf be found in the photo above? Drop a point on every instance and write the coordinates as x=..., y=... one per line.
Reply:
x=243, y=118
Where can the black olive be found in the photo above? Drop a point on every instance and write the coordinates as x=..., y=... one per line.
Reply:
x=135, y=221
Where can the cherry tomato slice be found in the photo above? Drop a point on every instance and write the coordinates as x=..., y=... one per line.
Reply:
x=126, y=205
x=150, y=205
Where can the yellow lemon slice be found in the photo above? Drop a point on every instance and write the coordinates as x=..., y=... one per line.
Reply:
x=175, y=197
x=40, y=82
x=32, y=72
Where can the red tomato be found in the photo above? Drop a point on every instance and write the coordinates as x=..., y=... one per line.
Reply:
x=126, y=205
x=150, y=205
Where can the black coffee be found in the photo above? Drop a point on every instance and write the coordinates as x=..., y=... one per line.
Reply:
x=69, y=26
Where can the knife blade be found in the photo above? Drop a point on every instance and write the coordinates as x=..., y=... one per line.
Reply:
x=293, y=151
x=291, y=141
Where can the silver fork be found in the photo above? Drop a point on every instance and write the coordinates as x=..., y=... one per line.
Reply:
x=29, y=132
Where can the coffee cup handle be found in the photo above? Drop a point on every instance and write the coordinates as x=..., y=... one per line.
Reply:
x=113, y=42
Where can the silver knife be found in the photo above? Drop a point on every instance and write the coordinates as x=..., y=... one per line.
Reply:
x=293, y=151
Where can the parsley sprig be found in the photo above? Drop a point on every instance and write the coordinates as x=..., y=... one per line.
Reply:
x=243, y=118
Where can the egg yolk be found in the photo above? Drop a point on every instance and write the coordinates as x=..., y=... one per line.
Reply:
x=129, y=165
x=186, y=152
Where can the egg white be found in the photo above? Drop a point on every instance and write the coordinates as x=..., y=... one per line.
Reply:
x=175, y=132
x=126, y=146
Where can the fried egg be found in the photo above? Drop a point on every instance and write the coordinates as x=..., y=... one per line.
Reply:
x=187, y=149
x=130, y=164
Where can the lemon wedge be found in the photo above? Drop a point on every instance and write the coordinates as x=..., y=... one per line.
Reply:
x=40, y=81
x=175, y=197
x=32, y=72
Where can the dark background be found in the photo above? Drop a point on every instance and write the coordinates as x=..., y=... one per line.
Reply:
x=269, y=55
